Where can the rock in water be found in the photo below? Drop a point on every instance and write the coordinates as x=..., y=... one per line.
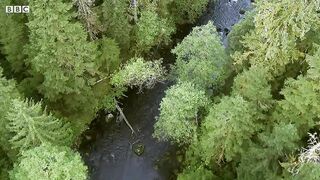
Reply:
x=138, y=149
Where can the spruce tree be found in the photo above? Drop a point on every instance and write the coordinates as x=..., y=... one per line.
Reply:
x=8, y=92
x=187, y=11
x=108, y=59
x=30, y=126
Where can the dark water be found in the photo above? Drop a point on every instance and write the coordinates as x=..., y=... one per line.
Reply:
x=111, y=155
x=225, y=14
x=108, y=151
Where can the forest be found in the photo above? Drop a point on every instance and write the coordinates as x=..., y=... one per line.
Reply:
x=249, y=110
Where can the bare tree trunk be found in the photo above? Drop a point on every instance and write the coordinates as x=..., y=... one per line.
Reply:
x=125, y=119
x=134, y=4
x=89, y=18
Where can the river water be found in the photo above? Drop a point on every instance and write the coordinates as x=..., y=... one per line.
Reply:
x=108, y=151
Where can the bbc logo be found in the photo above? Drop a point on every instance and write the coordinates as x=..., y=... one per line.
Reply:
x=17, y=9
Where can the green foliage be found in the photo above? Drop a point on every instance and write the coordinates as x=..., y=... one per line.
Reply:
x=139, y=73
x=179, y=113
x=48, y=162
x=151, y=31
x=253, y=85
x=201, y=58
x=30, y=126
x=227, y=129
x=300, y=105
x=283, y=33
x=63, y=57
x=310, y=171
x=187, y=11
x=115, y=20
x=7, y=93
x=238, y=32
x=13, y=37
x=313, y=72
x=261, y=160
x=109, y=58
x=196, y=173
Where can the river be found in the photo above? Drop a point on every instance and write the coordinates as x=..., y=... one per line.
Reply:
x=108, y=150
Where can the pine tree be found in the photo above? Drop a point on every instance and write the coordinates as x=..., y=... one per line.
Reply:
x=49, y=162
x=30, y=126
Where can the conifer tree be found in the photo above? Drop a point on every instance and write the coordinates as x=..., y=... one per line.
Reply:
x=115, y=21
x=108, y=59
x=253, y=85
x=239, y=32
x=13, y=37
x=187, y=11
x=196, y=173
x=228, y=128
x=151, y=30
x=8, y=92
x=48, y=162
x=30, y=126
x=284, y=31
x=58, y=50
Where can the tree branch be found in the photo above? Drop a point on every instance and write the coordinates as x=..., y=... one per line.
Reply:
x=125, y=119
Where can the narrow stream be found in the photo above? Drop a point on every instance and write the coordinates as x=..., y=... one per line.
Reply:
x=109, y=153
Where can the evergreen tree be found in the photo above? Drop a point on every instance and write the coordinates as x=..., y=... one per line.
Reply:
x=151, y=30
x=49, y=162
x=253, y=85
x=196, y=173
x=58, y=50
x=228, y=128
x=108, y=59
x=116, y=22
x=8, y=92
x=13, y=37
x=187, y=11
x=284, y=31
x=239, y=33
x=30, y=126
